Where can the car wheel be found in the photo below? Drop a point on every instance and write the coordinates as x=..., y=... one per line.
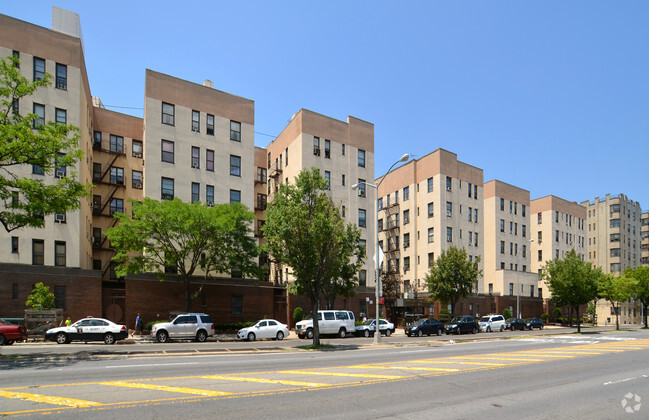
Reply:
x=475, y=330
x=366, y=333
x=439, y=332
x=61, y=338
x=458, y=331
x=251, y=336
x=540, y=327
x=3, y=340
x=280, y=335
x=342, y=333
x=488, y=329
x=420, y=333
x=511, y=328
x=502, y=328
x=387, y=333
x=162, y=336
x=109, y=338
x=201, y=336
x=309, y=333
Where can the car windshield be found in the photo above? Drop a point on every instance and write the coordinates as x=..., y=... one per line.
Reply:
x=457, y=319
x=484, y=319
x=422, y=322
x=368, y=322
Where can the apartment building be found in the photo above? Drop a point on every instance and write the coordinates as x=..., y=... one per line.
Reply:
x=425, y=206
x=615, y=244
x=644, y=239
x=344, y=153
x=558, y=226
x=507, y=256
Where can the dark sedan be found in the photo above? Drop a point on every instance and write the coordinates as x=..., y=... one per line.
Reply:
x=462, y=324
x=425, y=326
x=515, y=324
x=531, y=323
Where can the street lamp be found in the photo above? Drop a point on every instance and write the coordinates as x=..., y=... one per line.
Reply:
x=377, y=332
x=518, y=286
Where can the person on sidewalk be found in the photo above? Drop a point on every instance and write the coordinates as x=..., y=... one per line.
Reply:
x=138, y=324
x=68, y=322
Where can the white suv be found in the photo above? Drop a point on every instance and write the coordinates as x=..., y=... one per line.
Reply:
x=329, y=322
x=187, y=326
x=491, y=323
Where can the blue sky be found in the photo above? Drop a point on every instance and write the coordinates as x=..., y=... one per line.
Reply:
x=550, y=96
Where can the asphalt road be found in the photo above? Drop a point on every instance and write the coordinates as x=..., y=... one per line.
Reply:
x=527, y=376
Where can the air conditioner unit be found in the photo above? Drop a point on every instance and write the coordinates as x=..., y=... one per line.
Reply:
x=93, y=239
x=138, y=185
x=59, y=217
x=59, y=174
x=137, y=154
x=210, y=204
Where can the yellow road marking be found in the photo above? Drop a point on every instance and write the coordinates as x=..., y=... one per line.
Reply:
x=544, y=354
x=451, y=362
x=263, y=381
x=353, y=375
x=514, y=359
x=403, y=368
x=68, y=402
x=193, y=391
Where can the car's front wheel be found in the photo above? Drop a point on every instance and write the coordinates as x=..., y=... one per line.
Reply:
x=162, y=336
x=387, y=333
x=420, y=333
x=201, y=336
x=109, y=338
x=61, y=338
x=475, y=330
x=309, y=333
x=488, y=329
x=251, y=336
x=502, y=328
x=439, y=332
x=540, y=327
x=366, y=333
x=280, y=335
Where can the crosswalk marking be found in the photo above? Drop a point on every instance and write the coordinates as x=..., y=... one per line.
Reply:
x=68, y=402
x=513, y=359
x=353, y=375
x=403, y=368
x=263, y=381
x=192, y=391
x=457, y=362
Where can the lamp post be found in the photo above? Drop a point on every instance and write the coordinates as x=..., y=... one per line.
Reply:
x=518, y=287
x=377, y=263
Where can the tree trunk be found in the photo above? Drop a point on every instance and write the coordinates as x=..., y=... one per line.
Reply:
x=617, y=316
x=645, y=314
x=315, y=305
x=578, y=323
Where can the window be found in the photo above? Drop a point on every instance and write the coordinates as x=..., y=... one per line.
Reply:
x=430, y=184
x=96, y=172
x=469, y=189
x=615, y=252
x=196, y=157
x=39, y=110
x=511, y=289
x=556, y=236
x=475, y=215
x=61, y=76
x=209, y=160
x=327, y=177
x=524, y=249
x=235, y=165
x=362, y=278
x=502, y=225
x=615, y=223
x=316, y=146
x=502, y=204
x=406, y=264
x=235, y=196
x=431, y=209
x=237, y=305
x=196, y=121
x=137, y=179
x=327, y=149
x=286, y=154
x=615, y=237
x=96, y=140
x=449, y=209
x=262, y=200
x=14, y=244
x=449, y=234
x=470, y=238
x=137, y=149
x=196, y=194
x=168, y=113
x=16, y=54
x=475, y=237
x=524, y=231
x=61, y=116
x=116, y=206
x=235, y=131
x=361, y=158
x=615, y=267
x=343, y=180
x=39, y=68
x=38, y=252
x=361, y=188
x=362, y=222
x=448, y=183
x=116, y=144
x=540, y=255
x=502, y=247
x=167, y=189
x=167, y=151
x=60, y=171
x=59, y=296
x=116, y=176
x=406, y=217
x=59, y=254
x=523, y=209
x=470, y=213
x=210, y=124
x=209, y=195
x=406, y=240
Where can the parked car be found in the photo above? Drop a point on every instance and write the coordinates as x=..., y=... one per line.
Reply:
x=367, y=328
x=88, y=329
x=515, y=324
x=462, y=324
x=266, y=328
x=192, y=326
x=425, y=326
x=532, y=323
x=329, y=322
x=10, y=333
x=489, y=323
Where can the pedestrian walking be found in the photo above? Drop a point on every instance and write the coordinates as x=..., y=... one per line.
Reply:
x=138, y=324
x=68, y=322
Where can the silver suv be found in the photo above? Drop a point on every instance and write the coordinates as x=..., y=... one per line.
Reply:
x=491, y=323
x=185, y=326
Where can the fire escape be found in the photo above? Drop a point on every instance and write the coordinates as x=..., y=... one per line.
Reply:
x=392, y=250
x=274, y=181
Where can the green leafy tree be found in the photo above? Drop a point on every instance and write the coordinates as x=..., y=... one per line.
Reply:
x=172, y=236
x=298, y=314
x=616, y=289
x=27, y=140
x=452, y=275
x=571, y=281
x=41, y=298
x=306, y=232
x=641, y=292
x=507, y=313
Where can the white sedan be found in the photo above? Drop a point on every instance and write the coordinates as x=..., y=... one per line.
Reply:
x=88, y=329
x=266, y=328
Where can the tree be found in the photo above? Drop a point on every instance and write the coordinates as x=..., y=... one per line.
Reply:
x=571, y=281
x=641, y=291
x=26, y=141
x=41, y=298
x=172, y=236
x=306, y=232
x=452, y=275
x=615, y=290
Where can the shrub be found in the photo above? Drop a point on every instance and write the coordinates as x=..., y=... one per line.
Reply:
x=556, y=314
x=507, y=313
x=41, y=298
x=148, y=325
x=234, y=326
x=545, y=318
x=298, y=314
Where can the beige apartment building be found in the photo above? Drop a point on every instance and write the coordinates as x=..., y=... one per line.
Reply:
x=344, y=153
x=507, y=256
x=427, y=205
x=644, y=239
x=558, y=226
x=614, y=244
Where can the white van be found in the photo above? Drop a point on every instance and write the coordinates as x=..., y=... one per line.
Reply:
x=329, y=322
